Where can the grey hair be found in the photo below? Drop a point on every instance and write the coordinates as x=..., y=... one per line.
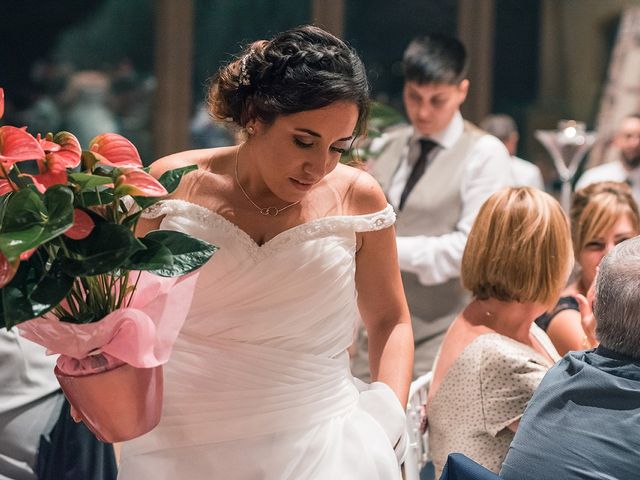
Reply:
x=617, y=301
x=499, y=125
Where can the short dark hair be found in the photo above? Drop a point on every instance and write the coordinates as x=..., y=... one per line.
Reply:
x=301, y=69
x=435, y=58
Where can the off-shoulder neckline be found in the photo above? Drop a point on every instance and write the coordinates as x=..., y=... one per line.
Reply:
x=367, y=222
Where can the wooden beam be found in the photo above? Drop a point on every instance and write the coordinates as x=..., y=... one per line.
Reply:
x=476, y=29
x=173, y=70
x=329, y=14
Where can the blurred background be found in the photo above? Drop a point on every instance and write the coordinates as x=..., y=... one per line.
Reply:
x=140, y=67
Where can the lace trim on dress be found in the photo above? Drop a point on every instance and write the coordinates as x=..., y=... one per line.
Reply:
x=318, y=228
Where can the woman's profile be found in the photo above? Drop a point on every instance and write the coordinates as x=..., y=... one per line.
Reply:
x=258, y=385
x=516, y=261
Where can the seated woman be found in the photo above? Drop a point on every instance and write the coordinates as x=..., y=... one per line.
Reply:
x=516, y=261
x=602, y=215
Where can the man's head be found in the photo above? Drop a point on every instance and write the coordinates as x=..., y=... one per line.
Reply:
x=616, y=306
x=628, y=141
x=435, y=70
x=504, y=128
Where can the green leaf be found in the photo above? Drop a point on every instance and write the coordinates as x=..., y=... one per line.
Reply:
x=33, y=291
x=24, y=209
x=170, y=181
x=189, y=253
x=107, y=248
x=31, y=219
x=58, y=200
x=171, y=178
x=155, y=256
x=89, y=182
x=104, y=196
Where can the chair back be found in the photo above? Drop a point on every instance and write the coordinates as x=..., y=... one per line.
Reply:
x=418, y=451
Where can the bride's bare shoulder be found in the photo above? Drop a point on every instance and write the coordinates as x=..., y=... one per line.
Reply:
x=363, y=194
x=202, y=158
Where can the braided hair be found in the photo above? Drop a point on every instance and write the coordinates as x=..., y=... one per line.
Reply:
x=301, y=69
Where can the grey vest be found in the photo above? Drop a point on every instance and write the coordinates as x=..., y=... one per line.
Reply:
x=433, y=208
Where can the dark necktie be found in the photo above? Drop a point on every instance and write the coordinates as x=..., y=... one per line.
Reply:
x=418, y=169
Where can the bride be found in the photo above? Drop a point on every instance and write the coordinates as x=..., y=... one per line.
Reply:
x=258, y=385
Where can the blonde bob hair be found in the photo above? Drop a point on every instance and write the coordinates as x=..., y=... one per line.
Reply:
x=519, y=249
x=596, y=208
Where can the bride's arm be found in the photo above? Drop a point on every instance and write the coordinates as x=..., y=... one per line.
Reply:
x=381, y=299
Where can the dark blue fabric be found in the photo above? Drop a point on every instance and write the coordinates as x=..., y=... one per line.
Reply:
x=564, y=303
x=583, y=421
x=461, y=467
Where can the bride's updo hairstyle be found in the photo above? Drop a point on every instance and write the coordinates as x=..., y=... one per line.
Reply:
x=301, y=69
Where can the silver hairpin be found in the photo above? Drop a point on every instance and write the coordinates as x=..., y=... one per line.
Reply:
x=244, y=74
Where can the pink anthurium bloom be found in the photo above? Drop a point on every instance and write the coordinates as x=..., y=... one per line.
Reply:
x=7, y=269
x=5, y=186
x=82, y=225
x=115, y=151
x=1, y=102
x=27, y=255
x=136, y=182
x=16, y=145
x=42, y=181
x=61, y=152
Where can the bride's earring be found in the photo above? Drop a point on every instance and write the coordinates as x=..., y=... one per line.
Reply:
x=251, y=130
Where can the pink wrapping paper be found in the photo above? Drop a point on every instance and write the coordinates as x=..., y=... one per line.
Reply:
x=141, y=335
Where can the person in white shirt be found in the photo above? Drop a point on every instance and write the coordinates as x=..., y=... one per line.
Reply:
x=525, y=174
x=627, y=167
x=436, y=173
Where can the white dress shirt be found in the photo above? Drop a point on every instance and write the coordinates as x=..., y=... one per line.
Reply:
x=437, y=259
x=526, y=174
x=612, y=172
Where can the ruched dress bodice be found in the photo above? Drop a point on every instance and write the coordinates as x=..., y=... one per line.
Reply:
x=258, y=384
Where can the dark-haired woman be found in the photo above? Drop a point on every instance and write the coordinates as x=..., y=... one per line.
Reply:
x=258, y=386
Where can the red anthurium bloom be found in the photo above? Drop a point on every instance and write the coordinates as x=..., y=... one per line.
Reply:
x=7, y=269
x=1, y=102
x=82, y=225
x=5, y=186
x=61, y=152
x=16, y=145
x=27, y=255
x=137, y=182
x=42, y=181
x=114, y=150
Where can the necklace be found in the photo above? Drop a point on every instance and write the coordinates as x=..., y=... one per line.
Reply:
x=266, y=211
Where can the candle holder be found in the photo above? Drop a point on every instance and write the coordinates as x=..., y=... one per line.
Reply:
x=567, y=146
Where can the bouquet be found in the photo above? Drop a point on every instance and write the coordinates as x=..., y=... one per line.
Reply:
x=76, y=279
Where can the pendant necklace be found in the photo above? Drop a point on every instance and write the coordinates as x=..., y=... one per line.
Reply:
x=266, y=211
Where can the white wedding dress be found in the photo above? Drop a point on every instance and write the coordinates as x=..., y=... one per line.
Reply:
x=258, y=385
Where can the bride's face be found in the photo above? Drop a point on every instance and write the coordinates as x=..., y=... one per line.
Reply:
x=297, y=151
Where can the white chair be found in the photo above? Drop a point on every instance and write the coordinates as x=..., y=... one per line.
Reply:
x=418, y=451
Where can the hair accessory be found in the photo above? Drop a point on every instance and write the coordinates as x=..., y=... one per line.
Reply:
x=244, y=74
x=266, y=211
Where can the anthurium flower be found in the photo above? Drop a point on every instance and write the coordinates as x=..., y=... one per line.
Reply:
x=5, y=186
x=16, y=145
x=7, y=269
x=137, y=182
x=82, y=225
x=61, y=151
x=115, y=151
